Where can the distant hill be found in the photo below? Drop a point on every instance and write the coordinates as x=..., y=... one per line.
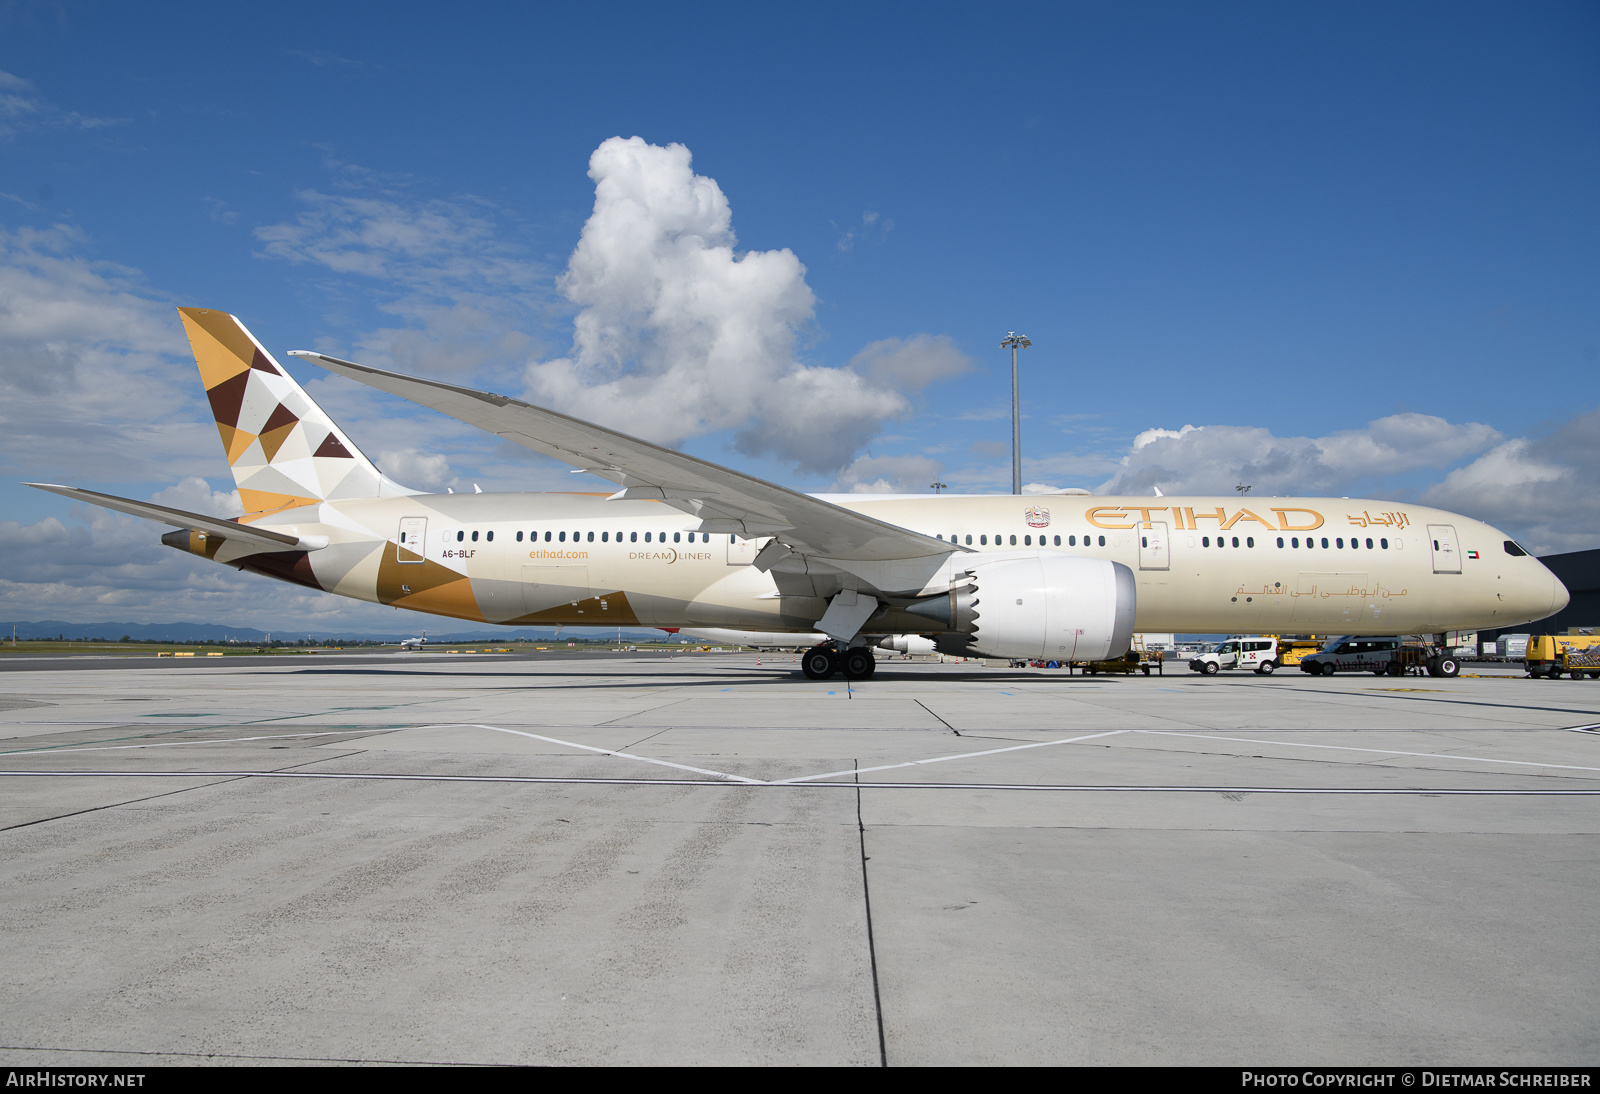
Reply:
x=29, y=630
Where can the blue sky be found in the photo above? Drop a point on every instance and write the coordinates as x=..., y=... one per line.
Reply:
x=1354, y=245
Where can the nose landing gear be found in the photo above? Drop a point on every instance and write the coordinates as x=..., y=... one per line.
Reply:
x=821, y=662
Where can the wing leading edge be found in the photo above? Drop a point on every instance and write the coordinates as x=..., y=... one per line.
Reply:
x=810, y=535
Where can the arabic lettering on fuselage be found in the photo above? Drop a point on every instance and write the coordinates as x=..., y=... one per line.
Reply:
x=1388, y=520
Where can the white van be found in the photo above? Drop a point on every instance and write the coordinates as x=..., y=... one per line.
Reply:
x=1257, y=654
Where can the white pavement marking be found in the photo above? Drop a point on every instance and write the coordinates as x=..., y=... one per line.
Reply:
x=1352, y=748
x=591, y=748
x=942, y=759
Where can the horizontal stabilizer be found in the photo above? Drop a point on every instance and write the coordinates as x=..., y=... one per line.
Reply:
x=196, y=522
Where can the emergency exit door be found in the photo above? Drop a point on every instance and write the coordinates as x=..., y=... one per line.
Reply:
x=1153, y=542
x=413, y=539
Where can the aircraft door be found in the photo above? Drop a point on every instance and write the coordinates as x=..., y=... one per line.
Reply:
x=413, y=540
x=1153, y=542
x=1446, y=559
x=741, y=552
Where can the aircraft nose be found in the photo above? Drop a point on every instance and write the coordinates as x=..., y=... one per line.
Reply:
x=1559, y=596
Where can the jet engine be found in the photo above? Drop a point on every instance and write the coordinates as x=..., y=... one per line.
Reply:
x=1046, y=606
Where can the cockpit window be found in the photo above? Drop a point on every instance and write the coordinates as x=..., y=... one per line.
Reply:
x=1514, y=549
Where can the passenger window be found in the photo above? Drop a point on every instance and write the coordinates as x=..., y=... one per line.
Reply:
x=1249, y=541
x=1027, y=541
x=1144, y=541
x=591, y=537
x=1102, y=541
x=489, y=536
x=474, y=537
x=1369, y=545
x=519, y=537
x=547, y=537
x=1236, y=541
x=1058, y=541
x=1280, y=541
x=1339, y=542
x=563, y=537
x=1072, y=541
x=633, y=537
x=969, y=541
x=983, y=541
x=605, y=537
x=1013, y=541
x=1384, y=544
x=1205, y=541
x=460, y=536
x=1295, y=542
x=1324, y=542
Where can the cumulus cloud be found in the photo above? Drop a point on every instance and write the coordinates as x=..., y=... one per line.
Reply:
x=889, y=475
x=1540, y=489
x=911, y=364
x=678, y=333
x=23, y=109
x=1212, y=459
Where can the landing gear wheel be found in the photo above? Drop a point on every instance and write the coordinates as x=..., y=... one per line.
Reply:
x=819, y=663
x=1265, y=668
x=1212, y=668
x=858, y=663
x=1449, y=666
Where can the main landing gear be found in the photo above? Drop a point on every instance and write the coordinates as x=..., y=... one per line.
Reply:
x=821, y=662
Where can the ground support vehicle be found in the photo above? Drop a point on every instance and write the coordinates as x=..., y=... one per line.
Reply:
x=1129, y=663
x=1259, y=654
x=1572, y=655
x=1381, y=655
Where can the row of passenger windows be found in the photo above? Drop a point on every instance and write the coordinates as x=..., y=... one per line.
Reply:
x=1027, y=541
x=1294, y=541
x=983, y=540
x=605, y=537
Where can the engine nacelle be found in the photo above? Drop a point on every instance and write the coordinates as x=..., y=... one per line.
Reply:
x=1043, y=605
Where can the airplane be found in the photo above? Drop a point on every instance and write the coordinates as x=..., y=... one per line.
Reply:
x=684, y=542
x=415, y=643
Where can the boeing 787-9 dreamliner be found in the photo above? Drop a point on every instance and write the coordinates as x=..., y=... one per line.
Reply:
x=684, y=542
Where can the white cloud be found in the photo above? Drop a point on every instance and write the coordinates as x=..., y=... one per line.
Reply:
x=911, y=364
x=888, y=475
x=680, y=334
x=23, y=109
x=422, y=470
x=1539, y=489
x=95, y=378
x=1212, y=459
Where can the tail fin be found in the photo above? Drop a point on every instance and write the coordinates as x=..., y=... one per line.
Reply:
x=284, y=451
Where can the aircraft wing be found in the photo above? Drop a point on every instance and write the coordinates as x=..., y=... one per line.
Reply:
x=725, y=500
x=196, y=522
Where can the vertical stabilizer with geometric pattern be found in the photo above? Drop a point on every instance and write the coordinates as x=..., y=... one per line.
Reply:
x=284, y=451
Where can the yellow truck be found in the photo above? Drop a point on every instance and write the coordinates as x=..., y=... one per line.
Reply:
x=1555, y=655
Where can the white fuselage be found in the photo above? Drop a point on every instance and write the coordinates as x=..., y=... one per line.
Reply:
x=1202, y=565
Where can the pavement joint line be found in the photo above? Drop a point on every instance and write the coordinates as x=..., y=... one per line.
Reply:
x=220, y=777
x=601, y=751
x=941, y=759
x=173, y=744
x=1352, y=748
x=942, y=722
x=1289, y=689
